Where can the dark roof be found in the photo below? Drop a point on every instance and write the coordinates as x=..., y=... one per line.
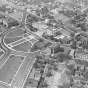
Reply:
x=84, y=34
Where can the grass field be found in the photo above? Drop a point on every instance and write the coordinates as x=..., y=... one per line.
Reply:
x=12, y=39
x=23, y=46
x=16, y=33
x=10, y=68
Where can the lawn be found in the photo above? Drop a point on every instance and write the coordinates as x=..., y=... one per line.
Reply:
x=15, y=33
x=9, y=69
x=12, y=39
x=23, y=46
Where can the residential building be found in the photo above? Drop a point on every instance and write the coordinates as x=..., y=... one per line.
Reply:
x=65, y=32
x=77, y=78
x=81, y=54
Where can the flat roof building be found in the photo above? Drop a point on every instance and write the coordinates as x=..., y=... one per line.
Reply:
x=9, y=22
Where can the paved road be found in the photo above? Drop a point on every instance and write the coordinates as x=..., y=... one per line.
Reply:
x=25, y=70
x=4, y=47
x=29, y=60
x=30, y=56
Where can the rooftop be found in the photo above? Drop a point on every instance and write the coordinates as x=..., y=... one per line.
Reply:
x=81, y=51
x=8, y=19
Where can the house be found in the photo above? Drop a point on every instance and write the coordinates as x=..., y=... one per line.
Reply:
x=57, y=49
x=81, y=54
x=65, y=32
x=65, y=40
x=77, y=78
x=37, y=77
x=9, y=22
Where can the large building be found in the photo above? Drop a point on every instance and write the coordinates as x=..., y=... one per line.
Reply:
x=9, y=22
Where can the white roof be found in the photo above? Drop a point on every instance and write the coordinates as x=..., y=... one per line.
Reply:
x=54, y=11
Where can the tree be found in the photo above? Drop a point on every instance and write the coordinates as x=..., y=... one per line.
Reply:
x=85, y=63
x=44, y=85
x=84, y=44
x=83, y=28
x=72, y=34
x=49, y=74
x=71, y=69
x=85, y=75
x=82, y=82
x=63, y=57
x=39, y=57
x=47, y=44
x=34, y=48
x=58, y=33
x=78, y=37
x=55, y=68
x=51, y=37
x=73, y=45
x=66, y=85
x=41, y=40
x=49, y=67
x=44, y=10
x=78, y=61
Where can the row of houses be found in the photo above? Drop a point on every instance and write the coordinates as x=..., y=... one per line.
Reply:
x=33, y=79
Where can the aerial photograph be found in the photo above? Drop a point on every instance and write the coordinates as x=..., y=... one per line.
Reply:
x=43, y=43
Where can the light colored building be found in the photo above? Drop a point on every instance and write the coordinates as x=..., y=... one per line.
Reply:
x=49, y=32
x=39, y=25
x=81, y=54
x=72, y=52
x=55, y=11
x=47, y=51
